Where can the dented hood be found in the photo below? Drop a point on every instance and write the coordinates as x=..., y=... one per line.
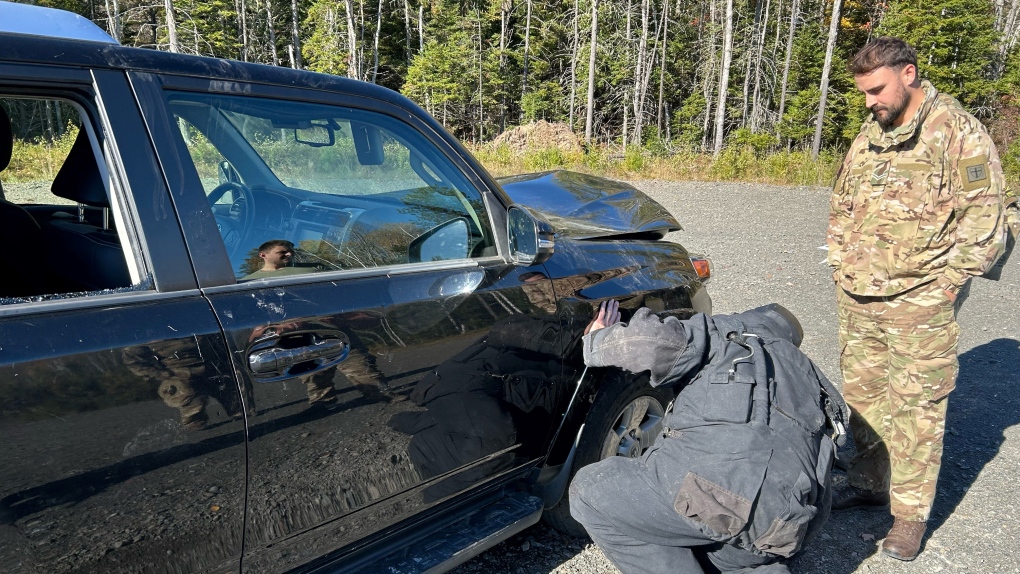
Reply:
x=584, y=206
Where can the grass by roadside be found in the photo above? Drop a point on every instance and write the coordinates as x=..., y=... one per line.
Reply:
x=733, y=164
x=40, y=161
x=35, y=161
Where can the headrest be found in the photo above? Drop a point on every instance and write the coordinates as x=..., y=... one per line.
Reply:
x=79, y=179
x=6, y=140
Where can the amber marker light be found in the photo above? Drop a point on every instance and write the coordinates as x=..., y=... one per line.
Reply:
x=702, y=266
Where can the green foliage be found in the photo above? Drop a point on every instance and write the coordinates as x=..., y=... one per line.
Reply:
x=471, y=73
x=759, y=143
x=544, y=159
x=39, y=160
x=1011, y=162
x=633, y=160
x=687, y=120
x=208, y=27
x=798, y=123
x=956, y=43
x=326, y=50
x=543, y=103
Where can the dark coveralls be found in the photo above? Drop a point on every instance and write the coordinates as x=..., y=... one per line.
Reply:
x=742, y=475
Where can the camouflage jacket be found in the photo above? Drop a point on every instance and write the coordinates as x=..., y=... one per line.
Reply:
x=919, y=203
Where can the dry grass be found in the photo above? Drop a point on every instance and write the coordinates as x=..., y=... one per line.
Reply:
x=734, y=164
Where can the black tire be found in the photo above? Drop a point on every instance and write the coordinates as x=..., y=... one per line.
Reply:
x=621, y=399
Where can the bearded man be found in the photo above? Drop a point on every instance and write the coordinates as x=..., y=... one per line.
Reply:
x=916, y=212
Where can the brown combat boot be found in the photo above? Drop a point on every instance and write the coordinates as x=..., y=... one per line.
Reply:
x=904, y=540
x=850, y=497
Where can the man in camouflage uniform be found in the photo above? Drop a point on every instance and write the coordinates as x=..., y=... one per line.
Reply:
x=917, y=210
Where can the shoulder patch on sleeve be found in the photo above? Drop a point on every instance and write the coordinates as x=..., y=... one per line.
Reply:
x=975, y=172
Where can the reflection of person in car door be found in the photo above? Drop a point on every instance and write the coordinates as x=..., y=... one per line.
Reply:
x=276, y=256
x=184, y=382
x=318, y=383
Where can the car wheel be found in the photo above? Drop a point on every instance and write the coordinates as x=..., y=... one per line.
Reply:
x=625, y=419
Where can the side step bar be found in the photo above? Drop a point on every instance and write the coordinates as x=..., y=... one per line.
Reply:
x=456, y=543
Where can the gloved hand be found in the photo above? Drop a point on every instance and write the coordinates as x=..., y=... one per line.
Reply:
x=609, y=314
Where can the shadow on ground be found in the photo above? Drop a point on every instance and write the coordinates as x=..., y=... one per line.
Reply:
x=984, y=404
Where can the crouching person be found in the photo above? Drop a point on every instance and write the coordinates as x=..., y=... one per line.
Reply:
x=741, y=477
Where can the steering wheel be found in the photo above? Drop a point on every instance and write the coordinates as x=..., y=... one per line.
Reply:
x=236, y=226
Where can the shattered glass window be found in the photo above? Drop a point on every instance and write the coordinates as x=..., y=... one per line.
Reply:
x=57, y=213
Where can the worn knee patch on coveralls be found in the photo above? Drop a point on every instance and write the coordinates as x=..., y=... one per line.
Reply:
x=899, y=363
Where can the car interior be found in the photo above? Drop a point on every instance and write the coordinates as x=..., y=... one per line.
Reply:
x=66, y=219
x=350, y=189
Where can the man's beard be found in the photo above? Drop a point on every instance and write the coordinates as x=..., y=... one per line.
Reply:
x=892, y=112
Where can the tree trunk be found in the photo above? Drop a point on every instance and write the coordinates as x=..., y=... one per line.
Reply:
x=527, y=48
x=421, y=26
x=662, y=69
x=756, y=112
x=113, y=19
x=573, y=67
x=272, y=33
x=752, y=42
x=833, y=32
x=360, y=24
x=724, y=79
x=626, y=106
x=1006, y=23
x=407, y=31
x=375, y=44
x=794, y=14
x=171, y=25
x=639, y=74
x=242, y=14
x=296, y=50
x=707, y=84
x=591, y=72
x=481, y=101
x=504, y=19
x=352, y=42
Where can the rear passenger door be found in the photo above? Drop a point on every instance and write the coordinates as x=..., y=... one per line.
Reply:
x=122, y=425
x=394, y=355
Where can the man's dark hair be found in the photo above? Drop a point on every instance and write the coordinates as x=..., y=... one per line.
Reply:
x=885, y=51
x=275, y=243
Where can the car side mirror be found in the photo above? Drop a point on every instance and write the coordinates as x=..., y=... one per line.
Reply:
x=441, y=243
x=227, y=173
x=531, y=240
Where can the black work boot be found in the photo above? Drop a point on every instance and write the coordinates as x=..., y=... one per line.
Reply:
x=850, y=497
x=904, y=540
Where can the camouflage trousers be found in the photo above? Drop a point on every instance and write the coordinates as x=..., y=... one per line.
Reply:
x=899, y=361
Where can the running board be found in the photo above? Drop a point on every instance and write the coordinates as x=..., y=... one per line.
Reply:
x=462, y=540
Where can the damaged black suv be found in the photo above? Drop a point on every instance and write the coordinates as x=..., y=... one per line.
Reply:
x=267, y=320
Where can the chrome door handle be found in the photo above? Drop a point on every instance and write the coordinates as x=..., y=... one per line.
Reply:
x=276, y=360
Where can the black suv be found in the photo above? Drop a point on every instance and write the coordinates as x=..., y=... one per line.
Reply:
x=267, y=320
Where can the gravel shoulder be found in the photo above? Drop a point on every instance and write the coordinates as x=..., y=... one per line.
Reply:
x=764, y=243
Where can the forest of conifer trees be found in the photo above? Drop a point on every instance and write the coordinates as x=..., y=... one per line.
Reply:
x=664, y=75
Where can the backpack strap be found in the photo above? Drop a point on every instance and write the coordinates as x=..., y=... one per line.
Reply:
x=836, y=411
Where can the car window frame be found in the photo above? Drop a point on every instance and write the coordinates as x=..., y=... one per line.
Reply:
x=91, y=91
x=214, y=270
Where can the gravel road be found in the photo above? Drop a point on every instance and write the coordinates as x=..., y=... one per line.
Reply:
x=764, y=241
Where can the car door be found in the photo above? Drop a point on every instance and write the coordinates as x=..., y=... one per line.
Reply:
x=123, y=439
x=395, y=357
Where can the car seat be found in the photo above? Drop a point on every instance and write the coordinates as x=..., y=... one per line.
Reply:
x=20, y=234
x=85, y=254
